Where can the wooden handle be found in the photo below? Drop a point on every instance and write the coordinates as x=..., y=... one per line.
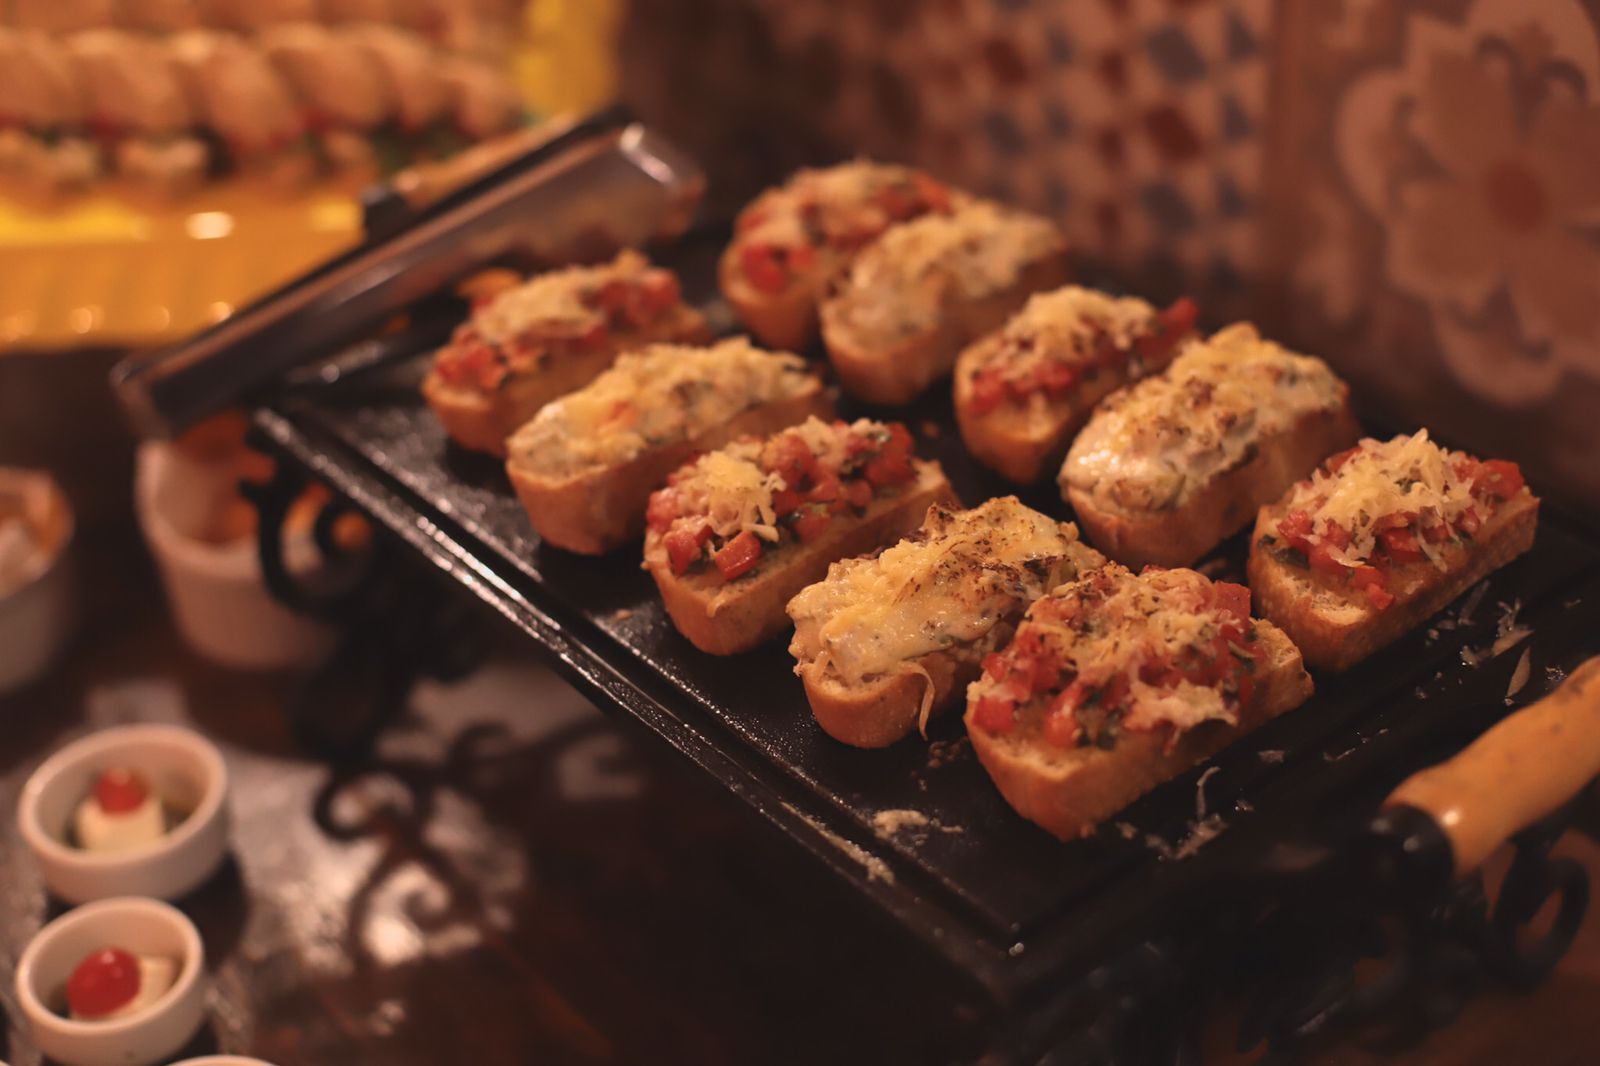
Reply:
x=1516, y=773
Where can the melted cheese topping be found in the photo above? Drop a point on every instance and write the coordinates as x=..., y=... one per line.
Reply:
x=897, y=286
x=1065, y=326
x=732, y=487
x=946, y=585
x=1408, y=474
x=1149, y=445
x=553, y=301
x=657, y=395
x=843, y=197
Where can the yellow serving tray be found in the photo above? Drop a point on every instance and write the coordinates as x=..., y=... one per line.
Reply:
x=104, y=272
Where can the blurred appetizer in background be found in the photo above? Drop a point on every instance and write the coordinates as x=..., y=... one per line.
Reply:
x=1168, y=468
x=1023, y=392
x=1116, y=682
x=739, y=531
x=1381, y=537
x=45, y=149
x=121, y=813
x=902, y=311
x=161, y=115
x=585, y=465
x=528, y=343
x=886, y=641
x=791, y=240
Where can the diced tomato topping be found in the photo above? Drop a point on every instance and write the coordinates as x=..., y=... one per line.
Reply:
x=739, y=556
x=1055, y=377
x=801, y=258
x=591, y=339
x=762, y=269
x=1498, y=477
x=791, y=459
x=995, y=714
x=1469, y=522
x=1061, y=724
x=750, y=218
x=893, y=464
x=662, y=509
x=811, y=524
x=1230, y=598
x=103, y=982
x=786, y=500
x=932, y=193
x=1322, y=561
x=684, y=546
x=1401, y=544
x=1334, y=462
x=1336, y=535
x=611, y=297
x=119, y=791
x=859, y=493
x=988, y=390
x=656, y=293
x=1435, y=533
x=1373, y=582
x=1295, y=527
x=994, y=666
x=1172, y=325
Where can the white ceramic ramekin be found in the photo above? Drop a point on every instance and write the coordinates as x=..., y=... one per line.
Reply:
x=184, y=767
x=36, y=619
x=218, y=599
x=140, y=926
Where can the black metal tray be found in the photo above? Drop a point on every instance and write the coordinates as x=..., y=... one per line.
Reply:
x=1014, y=908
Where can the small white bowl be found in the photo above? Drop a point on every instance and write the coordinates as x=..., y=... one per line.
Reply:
x=140, y=926
x=218, y=598
x=37, y=618
x=184, y=768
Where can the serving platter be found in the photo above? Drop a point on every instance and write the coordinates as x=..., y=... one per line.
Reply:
x=918, y=829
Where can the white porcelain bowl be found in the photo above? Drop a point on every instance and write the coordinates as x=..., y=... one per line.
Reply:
x=182, y=766
x=218, y=599
x=36, y=619
x=140, y=926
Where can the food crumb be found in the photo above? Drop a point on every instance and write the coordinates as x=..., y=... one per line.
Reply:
x=1127, y=830
x=1519, y=676
x=1271, y=755
x=622, y=614
x=888, y=823
x=1200, y=792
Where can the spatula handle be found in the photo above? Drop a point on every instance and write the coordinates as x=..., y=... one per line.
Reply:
x=1518, y=772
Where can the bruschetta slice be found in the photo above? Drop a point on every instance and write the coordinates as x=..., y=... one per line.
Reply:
x=792, y=239
x=886, y=641
x=1381, y=537
x=1023, y=392
x=531, y=343
x=585, y=465
x=1168, y=468
x=908, y=304
x=1116, y=682
x=737, y=532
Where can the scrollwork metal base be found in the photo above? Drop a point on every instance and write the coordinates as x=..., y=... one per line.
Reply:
x=396, y=626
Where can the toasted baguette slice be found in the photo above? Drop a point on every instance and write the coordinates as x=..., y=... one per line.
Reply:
x=799, y=235
x=1170, y=467
x=885, y=642
x=725, y=617
x=585, y=466
x=1023, y=391
x=1337, y=624
x=1106, y=691
x=911, y=301
x=533, y=369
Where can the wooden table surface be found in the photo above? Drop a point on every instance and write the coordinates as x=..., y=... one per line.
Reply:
x=514, y=878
